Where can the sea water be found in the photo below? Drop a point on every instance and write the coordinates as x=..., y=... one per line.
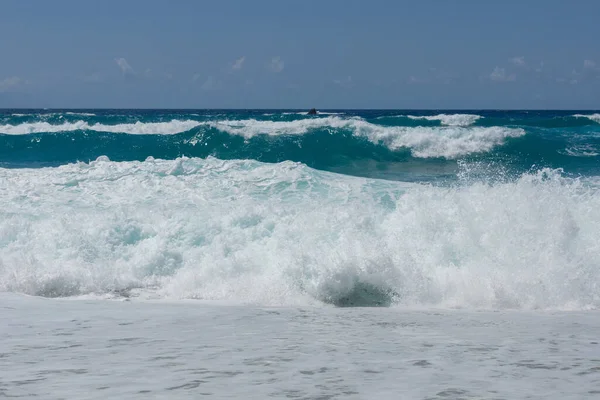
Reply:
x=253, y=254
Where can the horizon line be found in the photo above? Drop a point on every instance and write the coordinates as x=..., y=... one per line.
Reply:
x=297, y=109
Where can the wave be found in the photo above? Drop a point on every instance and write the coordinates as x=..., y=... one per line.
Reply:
x=285, y=234
x=450, y=119
x=83, y=114
x=592, y=117
x=424, y=142
x=488, y=119
x=143, y=128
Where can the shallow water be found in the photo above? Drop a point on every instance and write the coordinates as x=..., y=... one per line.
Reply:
x=91, y=349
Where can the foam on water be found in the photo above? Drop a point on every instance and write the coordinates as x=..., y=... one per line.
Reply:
x=450, y=119
x=585, y=150
x=148, y=128
x=593, y=117
x=83, y=114
x=285, y=234
x=424, y=142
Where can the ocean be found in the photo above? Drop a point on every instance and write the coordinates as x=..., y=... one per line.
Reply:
x=354, y=254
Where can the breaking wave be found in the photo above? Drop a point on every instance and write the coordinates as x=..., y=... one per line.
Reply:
x=423, y=142
x=286, y=234
x=141, y=128
x=450, y=119
x=592, y=117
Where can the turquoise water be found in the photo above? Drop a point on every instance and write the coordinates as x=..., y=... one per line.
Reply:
x=477, y=209
x=398, y=145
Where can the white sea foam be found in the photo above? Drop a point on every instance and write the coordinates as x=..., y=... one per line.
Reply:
x=448, y=142
x=286, y=234
x=424, y=142
x=593, y=117
x=96, y=350
x=83, y=114
x=165, y=128
x=450, y=119
x=584, y=150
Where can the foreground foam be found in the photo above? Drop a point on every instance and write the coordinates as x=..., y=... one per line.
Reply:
x=285, y=234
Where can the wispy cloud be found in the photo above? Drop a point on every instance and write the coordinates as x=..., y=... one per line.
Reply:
x=500, y=75
x=589, y=72
x=124, y=66
x=11, y=83
x=238, y=64
x=518, y=61
x=276, y=65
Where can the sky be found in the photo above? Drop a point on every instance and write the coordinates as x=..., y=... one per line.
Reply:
x=328, y=54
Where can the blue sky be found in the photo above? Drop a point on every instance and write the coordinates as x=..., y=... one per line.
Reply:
x=300, y=54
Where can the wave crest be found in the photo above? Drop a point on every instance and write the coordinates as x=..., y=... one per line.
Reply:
x=450, y=119
x=424, y=142
x=142, y=128
x=287, y=234
x=592, y=117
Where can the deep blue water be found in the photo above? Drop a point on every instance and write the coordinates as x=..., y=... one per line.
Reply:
x=408, y=145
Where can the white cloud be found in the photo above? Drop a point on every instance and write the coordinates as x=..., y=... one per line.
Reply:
x=124, y=65
x=500, y=75
x=518, y=61
x=195, y=77
x=239, y=63
x=11, y=82
x=589, y=72
x=276, y=65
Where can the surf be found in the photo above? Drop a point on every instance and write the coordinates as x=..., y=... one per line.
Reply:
x=286, y=234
